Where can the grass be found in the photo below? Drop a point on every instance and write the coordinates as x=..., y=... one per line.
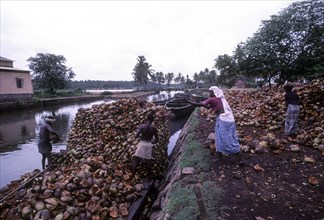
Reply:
x=212, y=199
x=194, y=155
x=39, y=94
x=182, y=202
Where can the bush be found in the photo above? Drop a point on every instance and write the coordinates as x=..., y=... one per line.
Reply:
x=106, y=93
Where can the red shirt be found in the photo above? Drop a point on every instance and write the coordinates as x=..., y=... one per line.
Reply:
x=215, y=104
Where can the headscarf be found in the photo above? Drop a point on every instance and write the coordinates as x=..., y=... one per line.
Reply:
x=228, y=114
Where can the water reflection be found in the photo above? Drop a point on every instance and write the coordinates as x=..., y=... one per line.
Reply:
x=19, y=135
x=163, y=95
x=25, y=130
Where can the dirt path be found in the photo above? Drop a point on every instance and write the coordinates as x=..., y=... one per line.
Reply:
x=277, y=184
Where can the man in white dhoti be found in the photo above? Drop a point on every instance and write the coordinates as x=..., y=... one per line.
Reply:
x=149, y=136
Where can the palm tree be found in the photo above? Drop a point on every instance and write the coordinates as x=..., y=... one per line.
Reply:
x=177, y=79
x=196, y=79
x=142, y=70
x=160, y=77
x=169, y=77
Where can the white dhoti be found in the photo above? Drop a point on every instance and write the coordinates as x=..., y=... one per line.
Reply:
x=144, y=150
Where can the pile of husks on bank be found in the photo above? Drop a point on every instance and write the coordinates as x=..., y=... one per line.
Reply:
x=266, y=109
x=91, y=179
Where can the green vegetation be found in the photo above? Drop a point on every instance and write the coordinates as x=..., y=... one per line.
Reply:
x=194, y=152
x=182, y=203
x=142, y=71
x=101, y=84
x=212, y=199
x=106, y=93
x=49, y=72
x=193, y=155
x=182, y=198
x=289, y=46
x=41, y=94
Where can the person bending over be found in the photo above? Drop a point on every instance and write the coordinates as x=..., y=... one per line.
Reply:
x=148, y=136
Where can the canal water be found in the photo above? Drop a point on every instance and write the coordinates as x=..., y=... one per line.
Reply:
x=19, y=135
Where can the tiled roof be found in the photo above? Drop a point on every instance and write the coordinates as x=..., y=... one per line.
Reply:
x=5, y=59
x=12, y=69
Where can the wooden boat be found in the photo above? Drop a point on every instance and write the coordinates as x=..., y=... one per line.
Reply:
x=178, y=105
x=161, y=102
x=198, y=98
x=179, y=108
x=181, y=96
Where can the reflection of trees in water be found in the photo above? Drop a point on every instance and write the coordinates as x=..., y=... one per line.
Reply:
x=63, y=120
x=163, y=95
x=62, y=123
x=24, y=131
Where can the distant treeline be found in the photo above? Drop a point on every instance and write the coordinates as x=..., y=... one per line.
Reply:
x=100, y=84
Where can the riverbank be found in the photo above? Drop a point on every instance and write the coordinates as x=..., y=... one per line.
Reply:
x=45, y=102
x=280, y=178
x=276, y=184
x=135, y=94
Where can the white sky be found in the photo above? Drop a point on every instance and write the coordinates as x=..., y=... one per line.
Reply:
x=101, y=40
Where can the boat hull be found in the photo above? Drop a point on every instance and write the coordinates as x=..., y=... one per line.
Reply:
x=179, y=108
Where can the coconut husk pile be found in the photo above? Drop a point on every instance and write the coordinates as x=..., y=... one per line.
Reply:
x=108, y=130
x=266, y=109
x=91, y=179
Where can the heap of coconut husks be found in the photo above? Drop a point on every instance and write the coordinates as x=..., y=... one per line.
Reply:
x=265, y=109
x=108, y=130
x=91, y=179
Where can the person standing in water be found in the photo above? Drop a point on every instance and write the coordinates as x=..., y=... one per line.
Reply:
x=44, y=142
x=148, y=136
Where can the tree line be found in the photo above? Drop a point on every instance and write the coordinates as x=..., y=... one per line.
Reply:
x=287, y=47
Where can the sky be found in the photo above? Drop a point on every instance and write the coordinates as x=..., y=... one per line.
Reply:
x=101, y=40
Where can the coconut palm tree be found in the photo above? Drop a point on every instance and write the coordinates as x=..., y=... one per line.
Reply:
x=142, y=70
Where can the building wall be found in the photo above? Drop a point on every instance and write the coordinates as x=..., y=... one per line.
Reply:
x=8, y=84
x=6, y=63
